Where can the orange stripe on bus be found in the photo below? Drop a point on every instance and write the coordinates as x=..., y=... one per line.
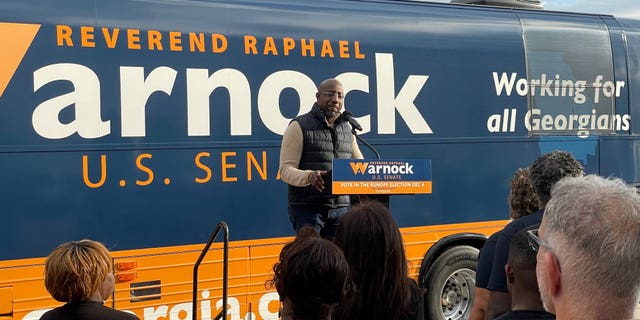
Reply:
x=163, y=275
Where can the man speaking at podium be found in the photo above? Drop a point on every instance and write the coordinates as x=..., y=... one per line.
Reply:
x=309, y=144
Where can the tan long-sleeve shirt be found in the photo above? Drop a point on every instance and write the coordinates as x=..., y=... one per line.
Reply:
x=291, y=152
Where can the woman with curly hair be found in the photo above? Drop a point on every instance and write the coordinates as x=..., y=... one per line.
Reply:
x=522, y=198
x=522, y=202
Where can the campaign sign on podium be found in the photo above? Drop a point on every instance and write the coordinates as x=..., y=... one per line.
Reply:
x=365, y=176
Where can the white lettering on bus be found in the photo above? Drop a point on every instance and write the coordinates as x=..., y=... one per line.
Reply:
x=556, y=87
x=86, y=97
x=182, y=311
x=534, y=120
x=136, y=90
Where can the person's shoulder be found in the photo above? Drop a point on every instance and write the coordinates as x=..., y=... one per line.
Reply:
x=131, y=316
x=505, y=316
x=417, y=300
x=114, y=314
x=51, y=314
x=415, y=288
x=531, y=219
x=127, y=316
x=121, y=315
x=526, y=315
x=521, y=223
x=494, y=237
x=292, y=128
x=308, y=114
x=295, y=122
x=490, y=244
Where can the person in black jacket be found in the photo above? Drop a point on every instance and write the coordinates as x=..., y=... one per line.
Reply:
x=522, y=202
x=544, y=172
x=80, y=274
x=309, y=144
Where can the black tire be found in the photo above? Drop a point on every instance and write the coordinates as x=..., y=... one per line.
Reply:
x=450, y=284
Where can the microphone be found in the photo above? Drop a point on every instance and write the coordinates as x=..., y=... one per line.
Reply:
x=349, y=117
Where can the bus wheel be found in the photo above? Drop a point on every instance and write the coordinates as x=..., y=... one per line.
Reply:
x=451, y=283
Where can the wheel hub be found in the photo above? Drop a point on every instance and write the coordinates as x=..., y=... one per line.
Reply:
x=456, y=294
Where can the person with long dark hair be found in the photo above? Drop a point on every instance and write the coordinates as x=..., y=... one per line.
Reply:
x=372, y=243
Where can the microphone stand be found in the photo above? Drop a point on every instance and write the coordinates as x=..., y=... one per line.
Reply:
x=353, y=130
x=382, y=198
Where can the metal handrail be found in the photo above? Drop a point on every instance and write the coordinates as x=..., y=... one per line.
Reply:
x=225, y=271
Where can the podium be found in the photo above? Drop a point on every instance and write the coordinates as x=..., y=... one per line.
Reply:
x=378, y=179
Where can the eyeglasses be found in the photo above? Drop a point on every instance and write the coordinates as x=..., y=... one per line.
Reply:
x=535, y=243
x=534, y=240
x=331, y=94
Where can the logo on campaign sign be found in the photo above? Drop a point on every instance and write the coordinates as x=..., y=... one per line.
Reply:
x=366, y=168
x=358, y=176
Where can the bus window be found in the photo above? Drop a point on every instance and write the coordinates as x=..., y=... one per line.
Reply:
x=570, y=85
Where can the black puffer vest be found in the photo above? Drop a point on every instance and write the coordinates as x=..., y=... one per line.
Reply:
x=321, y=145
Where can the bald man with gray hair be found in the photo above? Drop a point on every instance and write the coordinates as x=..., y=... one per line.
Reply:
x=588, y=249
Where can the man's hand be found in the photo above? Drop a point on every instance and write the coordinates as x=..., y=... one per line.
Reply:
x=316, y=180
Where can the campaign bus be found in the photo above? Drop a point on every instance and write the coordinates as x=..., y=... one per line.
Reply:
x=143, y=124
